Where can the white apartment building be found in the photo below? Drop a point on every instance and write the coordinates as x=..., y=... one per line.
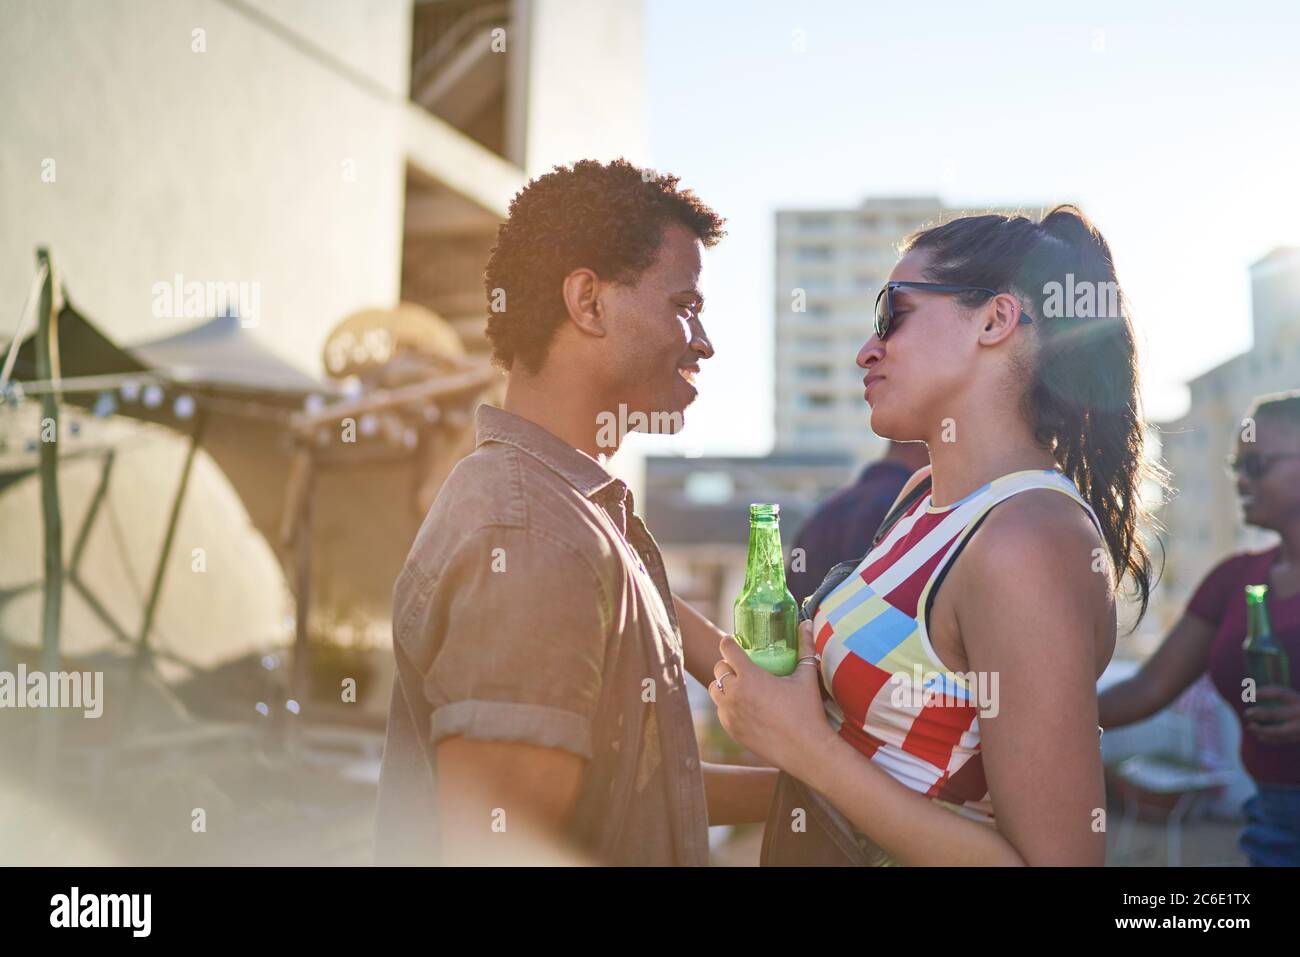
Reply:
x=1203, y=518
x=830, y=263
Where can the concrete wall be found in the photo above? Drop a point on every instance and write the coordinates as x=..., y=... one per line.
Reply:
x=586, y=93
x=230, y=164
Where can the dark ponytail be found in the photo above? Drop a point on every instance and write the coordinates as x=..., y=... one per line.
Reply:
x=1083, y=399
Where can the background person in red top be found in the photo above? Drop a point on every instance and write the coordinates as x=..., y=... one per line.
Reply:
x=1209, y=635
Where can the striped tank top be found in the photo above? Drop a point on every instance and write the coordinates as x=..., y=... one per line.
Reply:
x=890, y=696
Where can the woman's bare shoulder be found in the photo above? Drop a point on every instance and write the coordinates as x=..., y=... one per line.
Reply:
x=1037, y=560
x=1041, y=518
x=1043, y=540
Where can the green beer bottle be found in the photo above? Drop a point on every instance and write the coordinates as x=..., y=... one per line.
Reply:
x=1266, y=660
x=767, y=618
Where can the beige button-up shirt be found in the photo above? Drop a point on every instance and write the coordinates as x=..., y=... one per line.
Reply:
x=534, y=607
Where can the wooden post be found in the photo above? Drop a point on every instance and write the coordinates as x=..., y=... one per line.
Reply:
x=299, y=677
x=47, y=368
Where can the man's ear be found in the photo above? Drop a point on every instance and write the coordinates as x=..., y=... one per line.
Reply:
x=582, y=301
x=998, y=321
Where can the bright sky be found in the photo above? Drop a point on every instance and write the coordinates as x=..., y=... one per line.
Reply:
x=1175, y=126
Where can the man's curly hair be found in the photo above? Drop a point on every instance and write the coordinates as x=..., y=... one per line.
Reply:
x=606, y=217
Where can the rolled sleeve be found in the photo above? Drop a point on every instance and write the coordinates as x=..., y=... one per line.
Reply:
x=525, y=637
x=504, y=721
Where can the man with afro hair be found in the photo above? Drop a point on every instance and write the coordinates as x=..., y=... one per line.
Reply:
x=539, y=711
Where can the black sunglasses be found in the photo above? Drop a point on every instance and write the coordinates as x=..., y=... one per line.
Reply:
x=886, y=319
x=1255, y=465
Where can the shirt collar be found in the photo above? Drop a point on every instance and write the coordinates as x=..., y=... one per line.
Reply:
x=577, y=468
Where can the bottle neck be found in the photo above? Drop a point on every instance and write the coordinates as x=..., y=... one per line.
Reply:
x=765, y=563
x=1258, y=626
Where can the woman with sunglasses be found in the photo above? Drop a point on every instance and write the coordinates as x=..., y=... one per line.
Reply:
x=1209, y=635
x=945, y=702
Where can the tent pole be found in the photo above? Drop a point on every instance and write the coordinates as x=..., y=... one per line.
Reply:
x=47, y=367
x=155, y=590
x=87, y=524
